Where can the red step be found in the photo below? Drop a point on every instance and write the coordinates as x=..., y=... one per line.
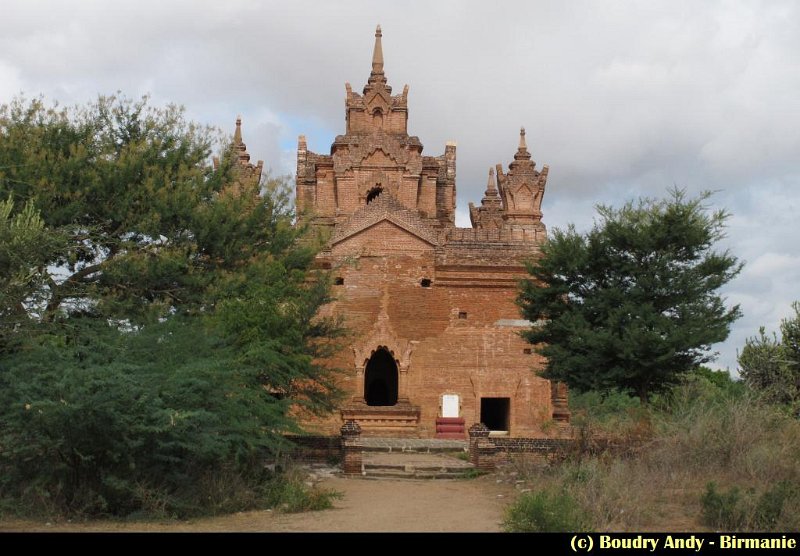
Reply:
x=450, y=428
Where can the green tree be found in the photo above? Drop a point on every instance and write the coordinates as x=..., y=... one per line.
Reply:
x=130, y=187
x=26, y=246
x=633, y=303
x=772, y=366
x=166, y=331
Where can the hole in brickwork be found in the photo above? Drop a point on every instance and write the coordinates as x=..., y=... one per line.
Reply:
x=425, y=283
x=380, y=379
x=338, y=281
x=462, y=314
x=526, y=351
x=373, y=194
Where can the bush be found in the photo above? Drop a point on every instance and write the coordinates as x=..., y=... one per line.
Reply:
x=722, y=509
x=733, y=511
x=544, y=511
x=603, y=406
x=289, y=493
x=120, y=425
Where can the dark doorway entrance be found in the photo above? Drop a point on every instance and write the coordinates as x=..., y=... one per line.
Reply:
x=380, y=379
x=495, y=413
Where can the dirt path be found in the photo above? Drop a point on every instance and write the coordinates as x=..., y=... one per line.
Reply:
x=366, y=505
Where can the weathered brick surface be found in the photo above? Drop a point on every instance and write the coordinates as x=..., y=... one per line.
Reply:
x=439, y=299
x=322, y=448
x=486, y=452
x=352, y=450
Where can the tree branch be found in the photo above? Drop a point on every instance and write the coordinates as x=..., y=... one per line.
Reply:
x=59, y=290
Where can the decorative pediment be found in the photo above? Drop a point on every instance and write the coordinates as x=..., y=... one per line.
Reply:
x=356, y=153
x=382, y=337
x=386, y=208
x=385, y=238
x=378, y=98
x=522, y=197
x=380, y=159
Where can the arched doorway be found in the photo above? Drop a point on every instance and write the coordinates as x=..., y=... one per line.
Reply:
x=380, y=379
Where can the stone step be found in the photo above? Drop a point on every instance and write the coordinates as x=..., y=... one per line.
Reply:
x=415, y=468
x=406, y=465
x=408, y=450
x=414, y=474
x=412, y=445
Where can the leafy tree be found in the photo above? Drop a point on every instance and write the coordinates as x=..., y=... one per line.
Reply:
x=772, y=367
x=170, y=334
x=130, y=186
x=25, y=247
x=631, y=304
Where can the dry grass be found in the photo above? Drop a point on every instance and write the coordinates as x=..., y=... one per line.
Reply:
x=699, y=435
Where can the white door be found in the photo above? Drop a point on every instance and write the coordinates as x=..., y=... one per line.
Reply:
x=450, y=405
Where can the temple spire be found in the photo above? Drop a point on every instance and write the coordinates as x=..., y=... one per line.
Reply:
x=376, y=75
x=491, y=187
x=237, y=135
x=245, y=171
x=491, y=199
x=377, y=53
x=522, y=150
x=238, y=144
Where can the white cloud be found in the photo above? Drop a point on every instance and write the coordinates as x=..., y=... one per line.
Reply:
x=620, y=99
x=10, y=82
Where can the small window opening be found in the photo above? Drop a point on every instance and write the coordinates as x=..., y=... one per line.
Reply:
x=462, y=314
x=338, y=281
x=526, y=351
x=425, y=283
x=495, y=413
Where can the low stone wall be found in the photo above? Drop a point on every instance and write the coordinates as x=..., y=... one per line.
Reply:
x=487, y=452
x=346, y=448
x=545, y=448
x=316, y=449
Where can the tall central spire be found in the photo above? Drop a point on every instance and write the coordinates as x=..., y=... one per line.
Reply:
x=377, y=53
x=522, y=150
x=377, y=59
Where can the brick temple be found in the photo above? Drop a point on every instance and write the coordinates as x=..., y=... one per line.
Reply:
x=435, y=343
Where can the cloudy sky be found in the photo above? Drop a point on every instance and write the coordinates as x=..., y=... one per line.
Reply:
x=620, y=99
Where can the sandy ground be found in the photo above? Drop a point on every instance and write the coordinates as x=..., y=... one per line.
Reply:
x=366, y=505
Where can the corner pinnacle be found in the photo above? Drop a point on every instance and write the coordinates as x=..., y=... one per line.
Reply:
x=237, y=135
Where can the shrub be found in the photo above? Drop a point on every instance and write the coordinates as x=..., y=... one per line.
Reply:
x=121, y=426
x=733, y=510
x=544, y=511
x=289, y=493
x=722, y=509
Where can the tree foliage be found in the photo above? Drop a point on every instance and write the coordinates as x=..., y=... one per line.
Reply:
x=159, y=322
x=633, y=303
x=143, y=211
x=772, y=366
x=26, y=246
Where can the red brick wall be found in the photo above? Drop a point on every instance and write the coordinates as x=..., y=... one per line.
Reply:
x=473, y=357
